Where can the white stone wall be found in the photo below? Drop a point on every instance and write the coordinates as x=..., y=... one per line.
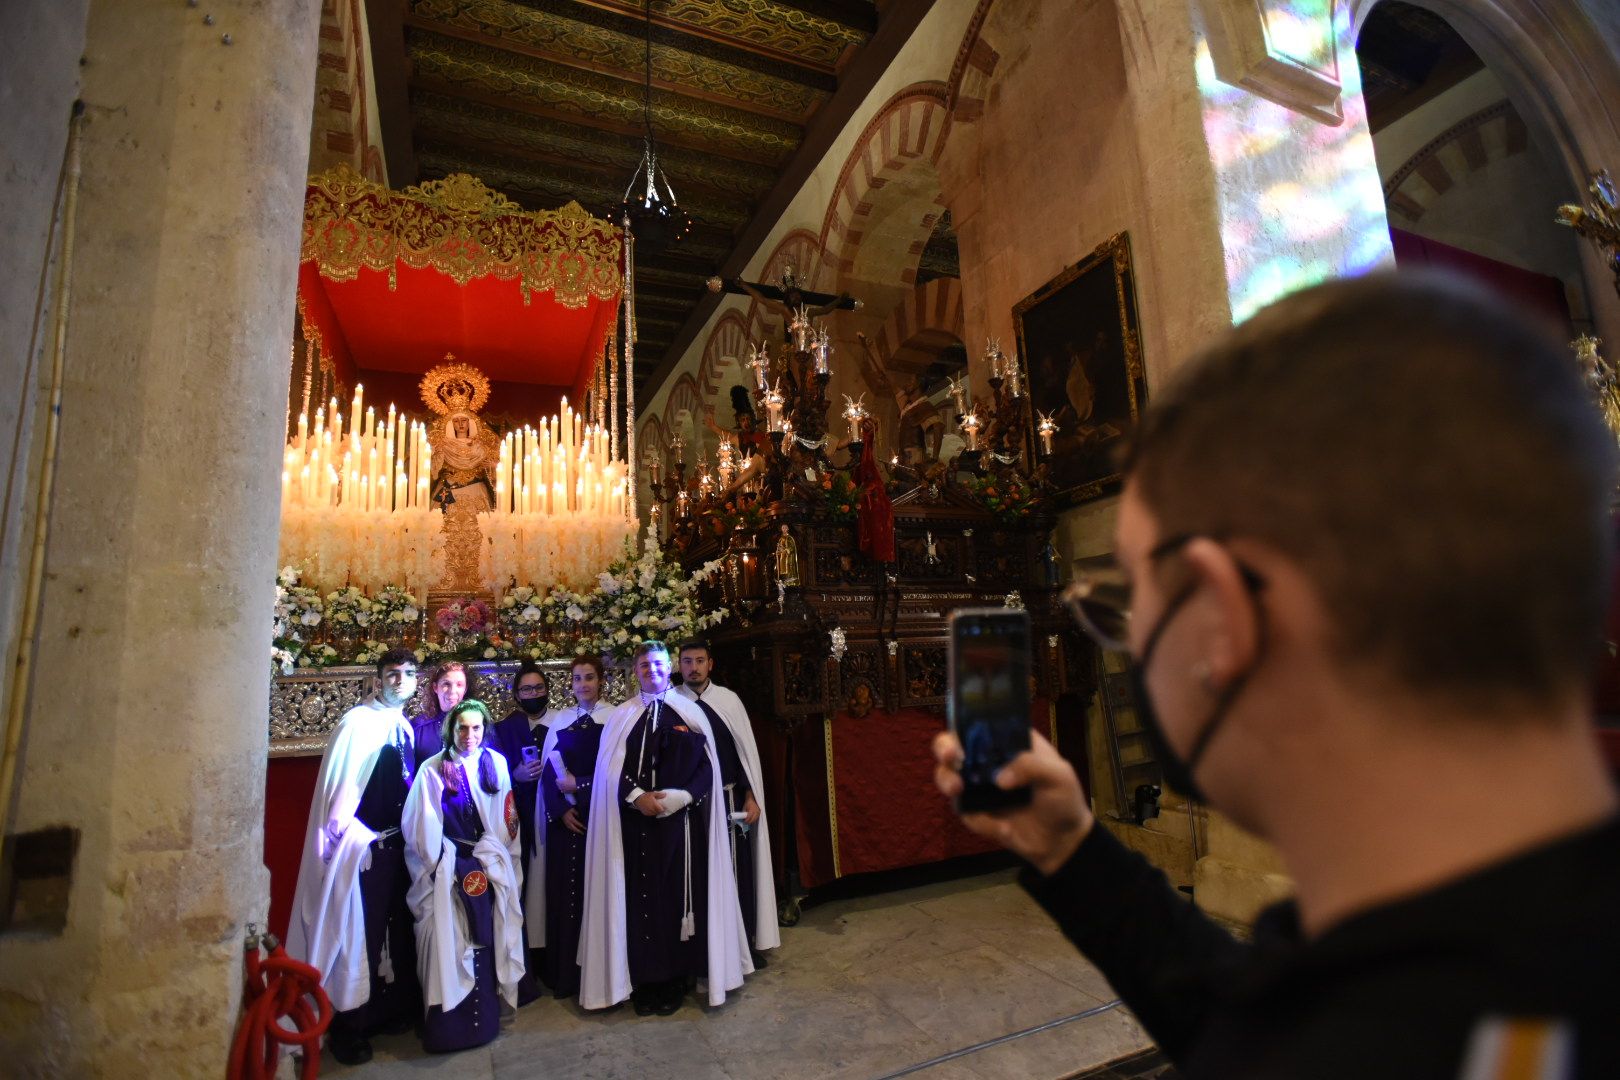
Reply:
x=146, y=724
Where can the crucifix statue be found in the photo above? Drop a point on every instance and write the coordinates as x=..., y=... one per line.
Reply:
x=788, y=300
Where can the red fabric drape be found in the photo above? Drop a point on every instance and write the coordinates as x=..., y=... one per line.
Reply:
x=875, y=515
x=289, y=784
x=1538, y=294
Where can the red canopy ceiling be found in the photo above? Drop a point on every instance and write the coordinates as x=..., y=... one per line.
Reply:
x=394, y=280
x=485, y=323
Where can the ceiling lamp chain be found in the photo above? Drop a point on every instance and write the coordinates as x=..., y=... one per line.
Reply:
x=656, y=217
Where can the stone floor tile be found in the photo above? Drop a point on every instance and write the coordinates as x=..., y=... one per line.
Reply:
x=662, y=1046
x=1063, y=1051
x=973, y=995
x=881, y=937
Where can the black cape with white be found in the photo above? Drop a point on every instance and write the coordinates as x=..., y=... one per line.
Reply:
x=603, y=947
x=729, y=707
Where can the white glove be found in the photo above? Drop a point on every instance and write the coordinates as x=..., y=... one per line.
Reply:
x=675, y=800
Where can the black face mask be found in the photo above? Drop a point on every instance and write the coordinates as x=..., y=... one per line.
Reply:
x=534, y=706
x=1177, y=772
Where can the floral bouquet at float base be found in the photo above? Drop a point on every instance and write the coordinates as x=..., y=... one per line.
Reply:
x=396, y=615
x=297, y=620
x=465, y=623
x=644, y=598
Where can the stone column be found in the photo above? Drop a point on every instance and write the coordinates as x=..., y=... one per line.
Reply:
x=146, y=722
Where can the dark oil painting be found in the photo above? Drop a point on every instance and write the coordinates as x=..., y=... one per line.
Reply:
x=1078, y=337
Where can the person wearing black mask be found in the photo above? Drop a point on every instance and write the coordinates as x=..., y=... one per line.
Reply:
x=1364, y=550
x=518, y=738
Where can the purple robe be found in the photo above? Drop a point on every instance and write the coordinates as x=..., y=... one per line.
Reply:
x=383, y=886
x=577, y=745
x=656, y=850
x=429, y=736
x=477, y=1019
x=509, y=737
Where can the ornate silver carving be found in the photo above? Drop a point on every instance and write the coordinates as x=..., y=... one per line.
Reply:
x=306, y=706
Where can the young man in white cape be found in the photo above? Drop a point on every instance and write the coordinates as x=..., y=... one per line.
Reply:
x=744, y=795
x=606, y=948
x=349, y=918
x=462, y=843
x=554, y=882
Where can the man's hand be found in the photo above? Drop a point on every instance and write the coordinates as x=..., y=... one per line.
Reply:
x=570, y=818
x=651, y=803
x=335, y=830
x=528, y=771
x=567, y=784
x=750, y=809
x=1050, y=828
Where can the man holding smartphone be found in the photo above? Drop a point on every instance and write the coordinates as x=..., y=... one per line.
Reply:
x=1364, y=550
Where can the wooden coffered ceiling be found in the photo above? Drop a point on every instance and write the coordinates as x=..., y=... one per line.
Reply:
x=542, y=100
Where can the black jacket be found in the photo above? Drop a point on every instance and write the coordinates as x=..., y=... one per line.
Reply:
x=1523, y=954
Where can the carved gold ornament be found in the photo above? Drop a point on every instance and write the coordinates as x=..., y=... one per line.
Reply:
x=454, y=387
x=461, y=228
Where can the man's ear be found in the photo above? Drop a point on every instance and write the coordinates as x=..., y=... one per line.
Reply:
x=1233, y=640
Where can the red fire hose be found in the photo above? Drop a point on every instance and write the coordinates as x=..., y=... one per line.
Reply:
x=278, y=986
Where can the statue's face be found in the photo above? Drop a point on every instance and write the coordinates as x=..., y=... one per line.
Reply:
x=461, y=428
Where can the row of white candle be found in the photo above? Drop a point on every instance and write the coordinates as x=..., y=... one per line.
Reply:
x=566, y=466
x=369, y=467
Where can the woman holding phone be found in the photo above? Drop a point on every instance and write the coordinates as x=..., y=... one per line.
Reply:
x=517, y=738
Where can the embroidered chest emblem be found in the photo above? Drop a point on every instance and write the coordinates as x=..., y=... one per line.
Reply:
x=475, y=883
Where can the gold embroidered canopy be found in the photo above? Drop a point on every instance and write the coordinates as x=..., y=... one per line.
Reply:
x=462, y=229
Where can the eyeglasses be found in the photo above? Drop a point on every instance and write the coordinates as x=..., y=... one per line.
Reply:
x=1100, y=598
x=531, y=691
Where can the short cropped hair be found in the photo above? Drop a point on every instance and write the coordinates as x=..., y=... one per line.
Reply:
x=649, y=646
x=394, y=658
x=589, y=660
x=1427, y=457
x=694, y=645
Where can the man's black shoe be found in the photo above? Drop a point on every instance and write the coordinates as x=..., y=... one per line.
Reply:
x=759, y=960
x=351, y=1051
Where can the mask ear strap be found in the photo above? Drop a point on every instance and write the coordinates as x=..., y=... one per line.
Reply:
x=1230, y=693
x=1163, y=624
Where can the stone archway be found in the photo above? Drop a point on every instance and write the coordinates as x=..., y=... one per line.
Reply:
x=888, y=183
x=1563, y=80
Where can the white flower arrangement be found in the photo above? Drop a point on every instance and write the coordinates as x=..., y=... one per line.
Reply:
x=348, y=608
x=396, y=608
x=371, y=652
x=297, y=613
x=640, y=598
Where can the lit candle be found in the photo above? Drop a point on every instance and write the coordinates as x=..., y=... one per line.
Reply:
x=854, y=412
x=1046, y=428
x=354, y=409
x=303, y=431
x=970, y=424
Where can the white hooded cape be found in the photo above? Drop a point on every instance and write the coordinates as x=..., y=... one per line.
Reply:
x=729, y=707
x=327, y=927
x=534, y=876
x=603, y=955
x=444, y=956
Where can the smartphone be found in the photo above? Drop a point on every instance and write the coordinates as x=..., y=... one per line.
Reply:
x=531, y=754
x=988, y=704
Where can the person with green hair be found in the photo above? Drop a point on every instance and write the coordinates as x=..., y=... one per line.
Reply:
x=462, y=839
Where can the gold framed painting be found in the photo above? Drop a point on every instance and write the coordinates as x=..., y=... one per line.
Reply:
x=1078, y=336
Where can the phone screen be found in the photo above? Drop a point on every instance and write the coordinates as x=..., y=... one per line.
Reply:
x=989, y=701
